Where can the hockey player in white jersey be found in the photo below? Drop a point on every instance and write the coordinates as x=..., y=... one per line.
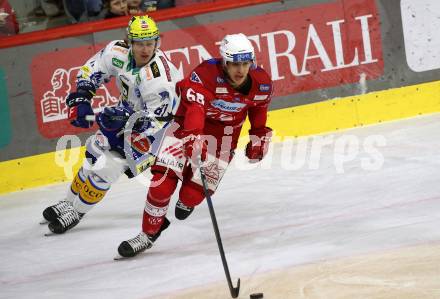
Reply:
x=146, y=80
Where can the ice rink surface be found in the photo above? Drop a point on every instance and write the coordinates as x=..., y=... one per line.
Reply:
x=303, y=224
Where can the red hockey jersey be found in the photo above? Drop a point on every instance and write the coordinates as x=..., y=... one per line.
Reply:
x=209, y=103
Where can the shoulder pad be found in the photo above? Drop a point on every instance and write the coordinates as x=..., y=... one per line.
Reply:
x=122, y=44
x=209, y=63
x=205, y=72
x=212, y=61
x=118, y=47
x=260, y=75
x=194, y=77
x=263, y=82
x=154, y=72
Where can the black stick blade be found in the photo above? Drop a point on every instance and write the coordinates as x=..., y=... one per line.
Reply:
x=235, y=291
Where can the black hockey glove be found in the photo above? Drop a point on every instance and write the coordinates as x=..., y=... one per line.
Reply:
x=80, y=107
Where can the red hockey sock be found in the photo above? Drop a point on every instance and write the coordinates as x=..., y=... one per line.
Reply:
x=158, y=198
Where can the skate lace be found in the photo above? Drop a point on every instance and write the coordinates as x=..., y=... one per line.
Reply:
x=69, y=217
x=140, y=242
x=62, y=206
x=181, y=206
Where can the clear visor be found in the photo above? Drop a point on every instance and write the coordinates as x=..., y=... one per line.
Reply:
x=141, y=39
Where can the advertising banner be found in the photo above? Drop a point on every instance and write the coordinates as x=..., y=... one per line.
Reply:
x=53, y=78
x=305, y=49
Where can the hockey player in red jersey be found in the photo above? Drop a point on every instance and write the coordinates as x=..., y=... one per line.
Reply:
x=215, y=99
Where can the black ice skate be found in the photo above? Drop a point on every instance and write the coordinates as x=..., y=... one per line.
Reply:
x=65, y=221
x=141, y=242
x=53, y=212
x=182, y=211
x=135, y=245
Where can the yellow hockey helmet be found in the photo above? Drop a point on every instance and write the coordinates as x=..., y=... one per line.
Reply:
x=141, y=28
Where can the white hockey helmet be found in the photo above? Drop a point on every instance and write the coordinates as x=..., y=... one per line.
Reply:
x=236, y=48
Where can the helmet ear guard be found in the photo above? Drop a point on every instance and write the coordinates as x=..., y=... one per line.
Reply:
x=237, y=48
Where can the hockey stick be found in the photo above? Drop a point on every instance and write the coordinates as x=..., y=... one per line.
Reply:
x=92, y=117
x=233, y=290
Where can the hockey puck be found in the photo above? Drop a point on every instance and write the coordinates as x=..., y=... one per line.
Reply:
x=256, y=296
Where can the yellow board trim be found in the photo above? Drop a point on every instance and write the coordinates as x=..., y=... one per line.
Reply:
x=356, y=111
x=39, y=170
x=331, y=115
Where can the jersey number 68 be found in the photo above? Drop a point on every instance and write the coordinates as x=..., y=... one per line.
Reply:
x=193, y=96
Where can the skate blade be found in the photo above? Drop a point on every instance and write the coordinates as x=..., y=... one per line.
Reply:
x=50, y=234
x=44, y=221
x=120, y=258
